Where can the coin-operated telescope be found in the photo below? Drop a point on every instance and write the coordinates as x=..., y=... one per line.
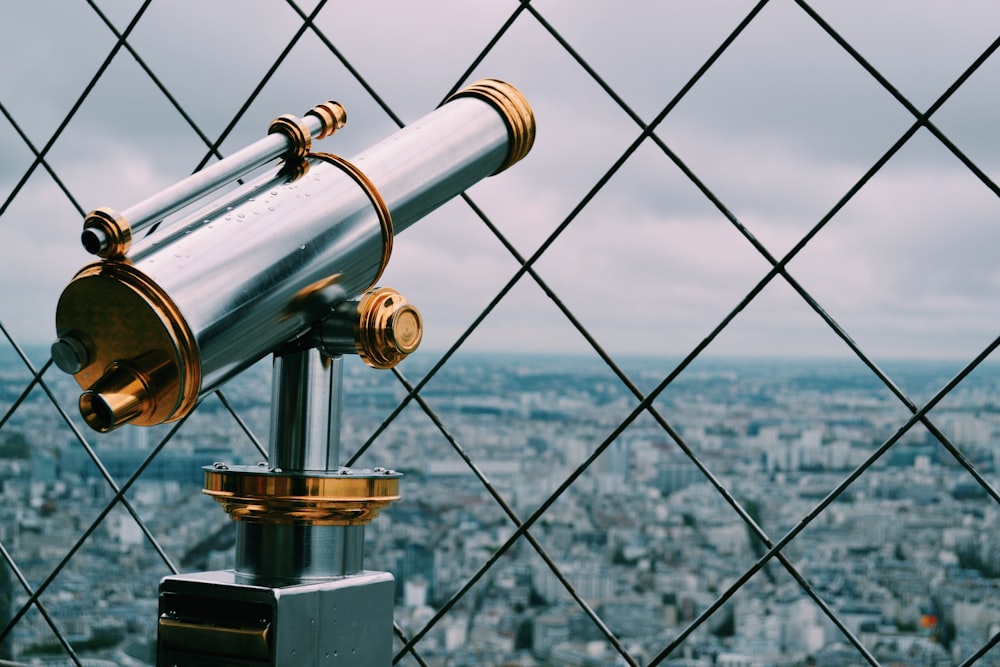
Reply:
x=276, y=250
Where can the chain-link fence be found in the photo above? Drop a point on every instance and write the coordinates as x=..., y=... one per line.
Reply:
x=672, y=137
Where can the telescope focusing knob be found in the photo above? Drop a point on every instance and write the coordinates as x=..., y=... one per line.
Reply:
x=406, y=329
x=387, y=329
x=382, y=327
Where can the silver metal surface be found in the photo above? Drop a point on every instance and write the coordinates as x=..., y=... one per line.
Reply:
x=305, y=411
x=277, y=253
x=205, y=181
x=345, y=621
x=435, y=158
x=280, y=554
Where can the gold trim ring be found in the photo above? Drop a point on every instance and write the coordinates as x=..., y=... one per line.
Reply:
x=514, y=109
x=342, y=498
x=294, y=128
x=381, y=209
x=110, y=234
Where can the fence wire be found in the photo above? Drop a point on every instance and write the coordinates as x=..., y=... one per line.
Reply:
x=520, y=16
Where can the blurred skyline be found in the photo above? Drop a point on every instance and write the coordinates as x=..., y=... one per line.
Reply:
x=778, y=129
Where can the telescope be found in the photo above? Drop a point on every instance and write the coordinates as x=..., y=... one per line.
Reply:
x=276, y=250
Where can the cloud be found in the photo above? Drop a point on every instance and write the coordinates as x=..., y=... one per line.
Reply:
x=778, y=130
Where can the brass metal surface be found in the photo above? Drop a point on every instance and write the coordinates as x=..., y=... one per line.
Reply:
x=115, y=229
x=225, y=640
x=332, y=117
x=298, y=134
x=387, y=327
x=301, y=498
x=131, y=330
x=381, y=209
x=127, y=391
x=514, y=109
x=332, y=114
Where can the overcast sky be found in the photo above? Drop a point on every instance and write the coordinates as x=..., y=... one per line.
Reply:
x=779, y=129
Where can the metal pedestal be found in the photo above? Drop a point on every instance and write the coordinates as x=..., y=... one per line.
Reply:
x=209, y=619
x=299, y=595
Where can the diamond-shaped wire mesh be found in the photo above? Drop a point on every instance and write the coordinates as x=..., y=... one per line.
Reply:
x=657, y=157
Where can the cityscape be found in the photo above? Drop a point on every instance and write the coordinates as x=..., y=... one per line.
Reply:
x=906, y=558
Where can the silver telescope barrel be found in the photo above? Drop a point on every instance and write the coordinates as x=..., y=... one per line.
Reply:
x=146, y=336
x=108, y=233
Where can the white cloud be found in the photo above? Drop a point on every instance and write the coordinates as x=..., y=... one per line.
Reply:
x=779, y=129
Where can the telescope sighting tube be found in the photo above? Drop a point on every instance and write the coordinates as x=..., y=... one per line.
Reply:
x=108, y=233
x=146, y=335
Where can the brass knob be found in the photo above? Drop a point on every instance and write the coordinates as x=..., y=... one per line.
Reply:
x=382, y=327
x=387, y=327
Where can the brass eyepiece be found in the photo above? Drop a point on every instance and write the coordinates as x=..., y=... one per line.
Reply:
x=121, y=396
x=106, y=233
x=126, y=392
